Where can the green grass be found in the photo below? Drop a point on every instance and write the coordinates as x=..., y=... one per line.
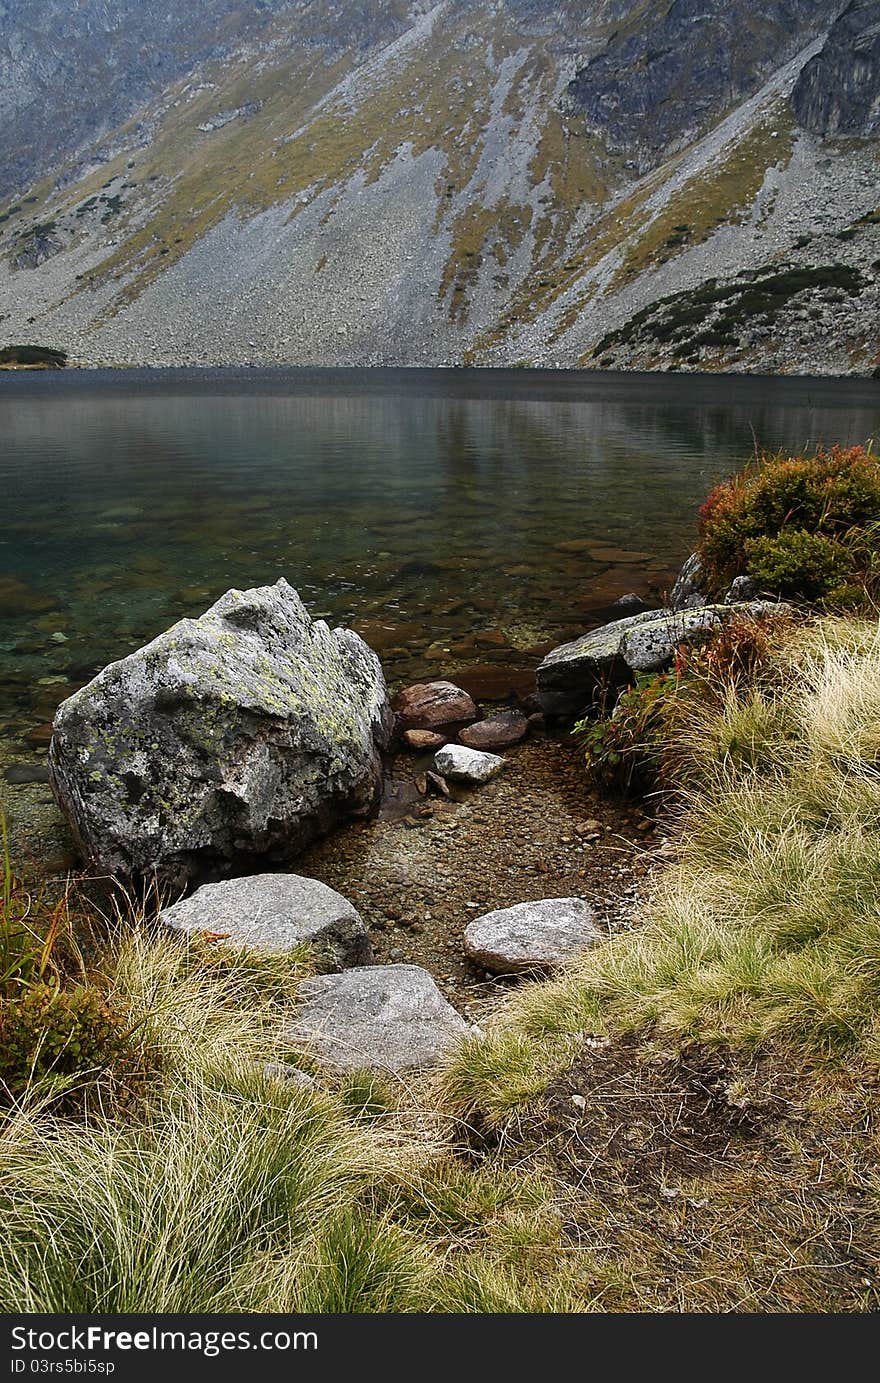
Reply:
x=685, y=1120
x=766, y=928
x=226, y=1188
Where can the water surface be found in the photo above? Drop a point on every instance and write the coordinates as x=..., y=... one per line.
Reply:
x=462, y=520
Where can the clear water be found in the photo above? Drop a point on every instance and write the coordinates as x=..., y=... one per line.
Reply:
x=459, y=519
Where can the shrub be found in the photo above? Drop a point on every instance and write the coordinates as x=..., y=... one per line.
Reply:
x=623, y=749
x=638, y=745
x=57, y=1041
x=803, y=526
x=33, y=355
x=799, y=563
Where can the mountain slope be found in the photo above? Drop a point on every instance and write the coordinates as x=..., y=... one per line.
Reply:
x=462, y=182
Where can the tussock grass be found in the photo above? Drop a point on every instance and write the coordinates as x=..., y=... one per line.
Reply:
x=766, y=928
x=230, y=1189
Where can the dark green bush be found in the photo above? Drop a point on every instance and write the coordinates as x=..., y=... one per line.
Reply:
x=33, y=355
x=60, y=1039
x=796, y=562
x=804, y=527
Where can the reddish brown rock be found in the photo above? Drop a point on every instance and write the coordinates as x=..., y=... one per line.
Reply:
x=427, y=705
x=497, y=732
x=423, y=739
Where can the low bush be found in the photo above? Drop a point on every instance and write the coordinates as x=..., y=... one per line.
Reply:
x=33, y=355
x=804, y=527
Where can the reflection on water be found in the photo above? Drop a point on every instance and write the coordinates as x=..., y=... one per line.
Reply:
x=456, y=518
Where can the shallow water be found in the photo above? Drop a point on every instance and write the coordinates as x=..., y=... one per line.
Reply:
x=459, y=519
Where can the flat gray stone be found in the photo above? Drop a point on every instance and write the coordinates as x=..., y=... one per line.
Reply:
x=383, y=1017
x=463, y=765
x=646, y=642
x=530, y=937
x=273, y=914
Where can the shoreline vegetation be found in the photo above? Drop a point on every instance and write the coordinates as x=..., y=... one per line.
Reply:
x=684, y=1120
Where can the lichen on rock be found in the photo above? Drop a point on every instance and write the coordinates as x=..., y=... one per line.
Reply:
x=230, y=740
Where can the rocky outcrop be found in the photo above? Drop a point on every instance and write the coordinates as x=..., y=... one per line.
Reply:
x=612, y=654
x=273, y=914
x=838, y=91
x=229, y=740
x=433, y=706
x=657, y=83
x=531, y=937
x=385, y=1017
x=496, y=732
x=463, y=765
x=687, y=593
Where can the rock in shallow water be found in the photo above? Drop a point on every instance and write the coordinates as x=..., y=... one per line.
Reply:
x=236, y=737
x=463, y=765
x=385, y=1017
x=531, y=936
x=431, y=705
x=273, y=914
x=496, y=732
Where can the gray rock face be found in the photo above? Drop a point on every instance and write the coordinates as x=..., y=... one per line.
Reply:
x=496, y=732
x=662, y=81
x=740, y=588
x=273, y=914
x=687, y=593
x=432, y=705
x=236, y=737
x=838, y=91
x=640, y=643
x=463, y=765
x=531, y=936
x=385, y=1017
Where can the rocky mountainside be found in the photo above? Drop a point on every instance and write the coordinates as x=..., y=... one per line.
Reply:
x=620, y=184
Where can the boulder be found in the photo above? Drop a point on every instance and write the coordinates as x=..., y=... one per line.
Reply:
x=463, y=765
x=429, y=705
x=496, y=732
x=612, y=654
x=385, y=1017
x=531, y=937
x=237, y=737
x=273, y=914
x=687, y=592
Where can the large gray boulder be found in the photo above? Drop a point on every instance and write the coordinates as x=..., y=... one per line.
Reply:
x=385, y=1017
x=273, y=914
x=612, y=654
x=230, y=739
x=531, y=937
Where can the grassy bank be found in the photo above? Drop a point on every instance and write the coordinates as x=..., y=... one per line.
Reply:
x=685, y=1121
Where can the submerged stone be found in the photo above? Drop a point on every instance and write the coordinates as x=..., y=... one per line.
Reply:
x=234, y=738
x=496, y=732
